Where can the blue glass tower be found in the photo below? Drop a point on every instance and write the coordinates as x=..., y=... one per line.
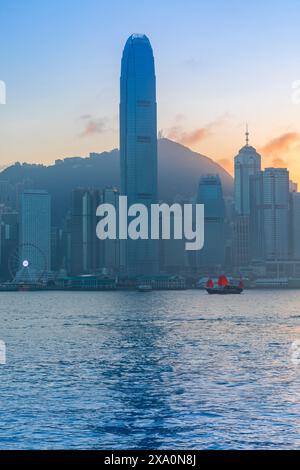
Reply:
x=138, y=146
x=211, y=195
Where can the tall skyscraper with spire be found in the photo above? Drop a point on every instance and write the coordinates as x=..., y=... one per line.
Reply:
x=138, y=146
x=246, y=164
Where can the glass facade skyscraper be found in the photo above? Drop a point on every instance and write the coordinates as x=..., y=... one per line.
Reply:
x=270, y=211
x=295, y=224
x=246, y=164
x=35, y=229
x=211, y=195
x=138, y=146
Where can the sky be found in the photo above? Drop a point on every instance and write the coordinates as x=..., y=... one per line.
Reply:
x=219, y=64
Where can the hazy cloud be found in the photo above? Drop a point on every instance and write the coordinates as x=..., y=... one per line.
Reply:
x=280, y=145
x=92, y=125
x=192, y=63
x=279, y=163
x=188, y=138
x=195, y=136
x=86, y=116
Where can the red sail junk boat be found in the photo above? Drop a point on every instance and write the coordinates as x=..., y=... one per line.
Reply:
x=223, y=287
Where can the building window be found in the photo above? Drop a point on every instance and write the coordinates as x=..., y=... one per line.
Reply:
x=143, y=103
x=143, y=139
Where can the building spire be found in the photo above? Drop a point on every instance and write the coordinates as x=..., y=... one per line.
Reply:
x=247, y=135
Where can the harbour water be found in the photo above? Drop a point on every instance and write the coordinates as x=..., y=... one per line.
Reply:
x=157, y=370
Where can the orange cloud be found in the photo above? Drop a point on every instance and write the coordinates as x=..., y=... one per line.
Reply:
x=282, y=144
x=92, y=125
x=188, y=138
x=279, y=163
x=195, y=136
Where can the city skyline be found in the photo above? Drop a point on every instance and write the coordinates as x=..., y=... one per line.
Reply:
x=248, y=232
x=212, y=94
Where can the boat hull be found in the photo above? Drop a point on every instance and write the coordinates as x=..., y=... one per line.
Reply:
x=145, y=288
x=224, y=291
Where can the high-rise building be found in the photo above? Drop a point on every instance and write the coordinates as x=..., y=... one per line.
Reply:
x=76, y=232
x=138, y=146
x=173, y=257
x=270, y=215
x=295, y=225
x=90, y=243
x=257, y=224
x=84, y=244
x=246, y=164
x=6, y=194
x=88, y=254
x=276, y=212
x=9, y=237
x=110, y=249
x=293, y=187
x=210, y=194
x=35, y=230
x=56, y=249
x=241, y=241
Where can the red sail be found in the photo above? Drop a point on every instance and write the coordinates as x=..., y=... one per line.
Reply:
x=210, y=284
x=222, y=281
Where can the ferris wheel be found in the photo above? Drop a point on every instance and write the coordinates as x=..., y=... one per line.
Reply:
x=27, y=263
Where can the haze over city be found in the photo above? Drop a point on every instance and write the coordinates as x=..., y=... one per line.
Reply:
x=218, y=66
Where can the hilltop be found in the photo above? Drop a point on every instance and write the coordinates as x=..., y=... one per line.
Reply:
x=179, y=170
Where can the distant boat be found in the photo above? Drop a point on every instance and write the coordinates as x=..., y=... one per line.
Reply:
x=223, y=287
x=144, y=288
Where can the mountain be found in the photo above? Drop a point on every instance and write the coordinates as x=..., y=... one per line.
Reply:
x=179, y=171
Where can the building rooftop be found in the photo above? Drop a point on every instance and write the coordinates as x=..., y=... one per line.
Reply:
x=139, y=36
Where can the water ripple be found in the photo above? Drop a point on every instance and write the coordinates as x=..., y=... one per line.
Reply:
x=124, y=370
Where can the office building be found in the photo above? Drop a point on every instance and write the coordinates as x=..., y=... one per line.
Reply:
x=138, y=146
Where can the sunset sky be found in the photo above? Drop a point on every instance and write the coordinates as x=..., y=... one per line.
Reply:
x=219, y=64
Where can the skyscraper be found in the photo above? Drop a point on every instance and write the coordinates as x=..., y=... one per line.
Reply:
x=91, y=245
x=211, y=195
x=257, y=222
x=246, y=164
x=270, y=214
x=76, y=231
x=295, y=225
x=276, y=212
x=8, y=240
x=138, y=146
x=35, y=230
x=110, y=252
x=88, y=254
